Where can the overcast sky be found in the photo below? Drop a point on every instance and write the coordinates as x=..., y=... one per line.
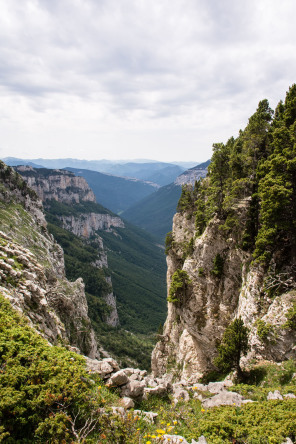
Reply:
x=124, y=79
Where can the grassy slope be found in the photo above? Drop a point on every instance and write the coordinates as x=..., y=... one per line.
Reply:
x=155, y=212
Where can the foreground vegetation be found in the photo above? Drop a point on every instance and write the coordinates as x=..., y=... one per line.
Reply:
x=48, y=397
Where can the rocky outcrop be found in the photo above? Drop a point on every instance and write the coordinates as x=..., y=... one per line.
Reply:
x=196, y=322
x=63, y=186
x=190, y=176
x=59, y=185
x=86, y=225
x=32, y=273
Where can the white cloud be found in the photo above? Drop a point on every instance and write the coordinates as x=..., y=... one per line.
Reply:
x=163, y=79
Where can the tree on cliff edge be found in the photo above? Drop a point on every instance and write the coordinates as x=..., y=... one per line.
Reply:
x=233, y=346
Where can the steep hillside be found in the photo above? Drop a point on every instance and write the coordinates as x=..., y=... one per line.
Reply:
x=123, y=269
x=115, y=193
x=155, y=212
x=191, y=175
x=32, y=269
x=231, y=254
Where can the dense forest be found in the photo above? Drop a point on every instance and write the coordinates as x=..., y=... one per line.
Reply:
x=258, y=166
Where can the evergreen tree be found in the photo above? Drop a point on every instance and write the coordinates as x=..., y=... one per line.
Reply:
x=277, y=185
x=233, y=346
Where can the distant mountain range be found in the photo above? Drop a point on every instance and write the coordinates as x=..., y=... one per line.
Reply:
x=162, y=173
x=113, y=192
x=148, y=200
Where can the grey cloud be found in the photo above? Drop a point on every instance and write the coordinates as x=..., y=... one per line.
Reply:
x=163, y=59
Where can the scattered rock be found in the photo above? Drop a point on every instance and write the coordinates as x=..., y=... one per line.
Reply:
x=180, y=393
x=120, y=411
x=223, y=398
x=117, y=379
x=134, y=389
x=274, y=395
x=159, y=390
x=148, y=416
x=127, y=403
x=216, y=387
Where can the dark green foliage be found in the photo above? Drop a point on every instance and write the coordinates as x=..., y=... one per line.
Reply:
x=218, y=264
x=188, y=248
x=133, y=259
x=186, y=199
x=254, y=175
x=179, y=285
x=79, y=259
x=44, y=390
x=56, y=208
x=291, y=318
x=233, y=346
x=277, y=187
x=138, y=271
x=264, y=330
x=169, y=241
x=202, y=211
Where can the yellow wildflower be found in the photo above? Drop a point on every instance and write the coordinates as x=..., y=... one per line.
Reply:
x=160, y=431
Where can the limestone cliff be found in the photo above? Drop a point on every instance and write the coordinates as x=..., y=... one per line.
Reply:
x=86, y=225
x=196, y=323
x=232, y=250
x=193, y=174
x=63, y=186
x=32, y=273
x=60, y=185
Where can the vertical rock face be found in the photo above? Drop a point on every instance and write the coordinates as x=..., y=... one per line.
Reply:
x=59, y=185
x=63, y=186
x=197, y=320
x=32, y=269
x=86, y=225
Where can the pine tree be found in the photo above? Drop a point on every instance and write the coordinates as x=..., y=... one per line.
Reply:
x=233, y=346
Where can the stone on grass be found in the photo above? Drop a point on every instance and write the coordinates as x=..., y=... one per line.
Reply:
x=117, y=379
x=134, y=389
x=223, y=398
x=274, y=395
x=127, y=403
